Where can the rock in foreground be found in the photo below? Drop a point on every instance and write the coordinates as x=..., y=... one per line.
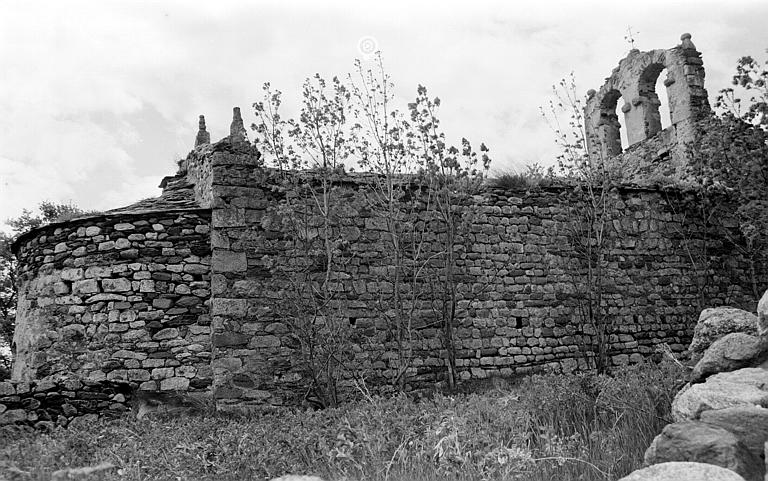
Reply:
x=676, y=471
x=715, y=323
x=732, y=351
x=748, y=423
x=744, y=387
x=699, y=442
x=297, y=477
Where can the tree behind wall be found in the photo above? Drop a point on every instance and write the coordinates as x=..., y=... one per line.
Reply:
x=414, y=193
x=730, y=158
x=49, y=212
x=590, y=222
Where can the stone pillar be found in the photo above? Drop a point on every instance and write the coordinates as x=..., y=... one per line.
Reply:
x=610, y=135
x=237, y=132
x=243, y=347
x=203, y=137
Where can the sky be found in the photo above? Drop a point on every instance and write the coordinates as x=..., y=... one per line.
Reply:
x=99, y=99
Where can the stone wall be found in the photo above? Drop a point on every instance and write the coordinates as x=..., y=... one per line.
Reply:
x=194, y=291
x=118, y=297
x=46, y=404
x=521, y=286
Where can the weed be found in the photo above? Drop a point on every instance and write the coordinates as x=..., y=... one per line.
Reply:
x=574, y=426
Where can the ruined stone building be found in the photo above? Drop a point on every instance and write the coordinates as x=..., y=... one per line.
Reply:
x=174, y=293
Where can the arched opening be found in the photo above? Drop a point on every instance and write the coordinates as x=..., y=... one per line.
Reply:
x=653, y=97
x=609, y=128
x=662, y=81
x=621, y=110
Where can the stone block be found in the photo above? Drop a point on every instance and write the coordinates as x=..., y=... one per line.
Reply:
x=116, y=285
x=229, y=261
x=162, y=303
x=98, y=272
x=229, y=307
x=228, y=217
x=186, y=371
x=7, y=389
x=164, y=334
x=162, y=373
x=72, y=274
x=138, y=375
x=258, y=342
x=230, y=339
x=86, y=286
x=174, y=384
x=198, y=269
x=147, y=286
x=13, y=416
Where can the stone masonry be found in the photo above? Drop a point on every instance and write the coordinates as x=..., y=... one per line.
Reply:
x=179, y=293
x=634, y=80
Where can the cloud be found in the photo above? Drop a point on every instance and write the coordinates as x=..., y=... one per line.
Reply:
x=99, y=98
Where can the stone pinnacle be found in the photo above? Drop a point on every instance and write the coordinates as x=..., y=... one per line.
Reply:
x=203, y=137
x=237, y=131
x=687, y=43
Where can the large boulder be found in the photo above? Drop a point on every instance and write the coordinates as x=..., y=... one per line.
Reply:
x=683, y=471
x=704, y=443
x=743, y=387
x=715, y=323
x=748, y=423
x=732, y=351
x=762, y=315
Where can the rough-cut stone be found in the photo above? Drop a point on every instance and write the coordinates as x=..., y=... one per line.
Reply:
x=732, y=351
x=72, y=274
x=748, y=423
x=683, y=471
x=174, y=384
x=228, y=261
x=237, y=132
x=716, y=322
x=7, y=389
x=743, y=387
x=203, y=137
x=13, y=416
x=762, y=315
x=164, y=334
x=116, y=285
x=87, y=286
x=704, y=443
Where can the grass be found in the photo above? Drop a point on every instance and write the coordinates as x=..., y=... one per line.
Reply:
x=533, y=177
x=545, y=427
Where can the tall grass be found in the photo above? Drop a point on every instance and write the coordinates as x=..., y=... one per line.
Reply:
x=546, y=427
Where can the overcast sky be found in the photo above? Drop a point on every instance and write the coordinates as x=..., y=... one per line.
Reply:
x=99, y=98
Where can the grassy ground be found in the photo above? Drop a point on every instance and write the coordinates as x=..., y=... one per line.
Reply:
x=545, y=427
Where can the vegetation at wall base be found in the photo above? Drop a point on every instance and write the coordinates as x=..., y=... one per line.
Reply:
x=543, y=427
